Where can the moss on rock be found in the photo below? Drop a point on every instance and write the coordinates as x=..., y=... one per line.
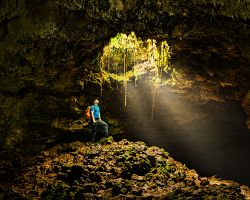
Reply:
x=97, y=171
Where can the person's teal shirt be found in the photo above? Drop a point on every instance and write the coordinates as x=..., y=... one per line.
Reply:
x=96, y=110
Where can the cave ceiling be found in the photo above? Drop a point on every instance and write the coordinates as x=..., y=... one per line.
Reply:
x=44, y=44
x=40, y=40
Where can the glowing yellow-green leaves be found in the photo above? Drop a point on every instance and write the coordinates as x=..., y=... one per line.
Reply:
x=128, y=58
x=127, y=53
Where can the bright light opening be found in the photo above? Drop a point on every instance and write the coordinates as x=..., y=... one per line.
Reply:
x=128, y=58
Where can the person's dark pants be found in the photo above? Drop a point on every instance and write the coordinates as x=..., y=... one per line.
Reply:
x=99, y=123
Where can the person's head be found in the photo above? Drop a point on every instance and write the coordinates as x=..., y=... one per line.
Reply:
x=96, y=101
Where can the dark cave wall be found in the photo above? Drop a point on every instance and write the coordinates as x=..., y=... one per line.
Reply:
x=45, y=44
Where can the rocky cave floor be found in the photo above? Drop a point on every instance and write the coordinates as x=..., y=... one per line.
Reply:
x=115, y=170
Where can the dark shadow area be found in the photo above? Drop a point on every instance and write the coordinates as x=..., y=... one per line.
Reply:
x=210, y=137
x=41, y=138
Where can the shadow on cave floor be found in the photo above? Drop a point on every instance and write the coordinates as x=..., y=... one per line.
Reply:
x=210, y=137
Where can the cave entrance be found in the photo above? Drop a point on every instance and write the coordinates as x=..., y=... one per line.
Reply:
x=130, y=61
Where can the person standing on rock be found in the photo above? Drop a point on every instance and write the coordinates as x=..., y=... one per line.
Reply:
x=96, y=119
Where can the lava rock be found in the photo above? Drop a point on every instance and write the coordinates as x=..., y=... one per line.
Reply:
x=121, y=176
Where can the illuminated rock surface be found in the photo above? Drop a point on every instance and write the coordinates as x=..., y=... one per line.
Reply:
x=120, y=170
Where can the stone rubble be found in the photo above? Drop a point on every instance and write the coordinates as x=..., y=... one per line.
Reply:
x=117, y=170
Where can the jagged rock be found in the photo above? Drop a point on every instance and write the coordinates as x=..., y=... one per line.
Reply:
x=47, y=47
x=93, y=177
x=136, y=177
x=107, y=140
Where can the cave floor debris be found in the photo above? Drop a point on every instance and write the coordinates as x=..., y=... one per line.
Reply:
x=117, y=170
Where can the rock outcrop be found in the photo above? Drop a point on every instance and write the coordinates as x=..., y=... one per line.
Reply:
x=117, y=170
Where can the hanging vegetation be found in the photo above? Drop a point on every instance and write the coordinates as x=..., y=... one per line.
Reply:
x=126, y=53
x=128, y=58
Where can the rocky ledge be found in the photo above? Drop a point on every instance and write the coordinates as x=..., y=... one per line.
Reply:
x=116, y=170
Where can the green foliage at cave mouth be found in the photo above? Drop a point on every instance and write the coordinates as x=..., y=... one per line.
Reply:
x=127, y=58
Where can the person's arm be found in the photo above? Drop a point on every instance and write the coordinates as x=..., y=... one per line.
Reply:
x=99, y=115
x=92, y=114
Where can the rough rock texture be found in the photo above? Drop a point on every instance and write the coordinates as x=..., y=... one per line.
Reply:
x=119, y=170
x=46, y=46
